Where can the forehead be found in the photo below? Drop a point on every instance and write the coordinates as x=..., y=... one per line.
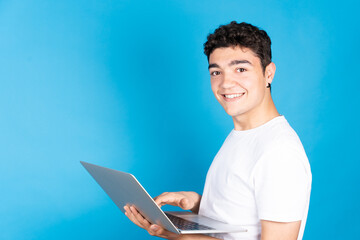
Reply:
x=225, y=55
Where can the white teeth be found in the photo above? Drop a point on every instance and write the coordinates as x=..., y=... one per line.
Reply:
x=234, y=95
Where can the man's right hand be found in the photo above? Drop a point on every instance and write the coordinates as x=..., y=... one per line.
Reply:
x=185, y=200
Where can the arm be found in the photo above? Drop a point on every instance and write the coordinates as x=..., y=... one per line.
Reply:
x=185, y=200
x=282, y=191
x=279, y=230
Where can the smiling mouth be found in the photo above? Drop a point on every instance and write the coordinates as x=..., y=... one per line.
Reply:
x=232, y=97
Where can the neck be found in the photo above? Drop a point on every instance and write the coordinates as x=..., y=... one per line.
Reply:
x=257, y=116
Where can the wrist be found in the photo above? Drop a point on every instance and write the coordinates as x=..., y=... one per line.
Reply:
x=176, y=237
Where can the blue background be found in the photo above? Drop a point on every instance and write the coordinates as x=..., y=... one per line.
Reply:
x=124, y=84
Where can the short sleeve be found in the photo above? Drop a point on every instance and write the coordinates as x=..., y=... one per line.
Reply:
x=282, y=184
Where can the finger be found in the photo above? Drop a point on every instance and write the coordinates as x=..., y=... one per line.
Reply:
x=159, y=199
x=127, y=210
x=157, y=230
x=176, y=200
x=140, y=218
x=163, y=194
x=132, y=217
x=168, y=198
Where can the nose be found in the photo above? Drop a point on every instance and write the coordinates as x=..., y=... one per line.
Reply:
x=228, y=81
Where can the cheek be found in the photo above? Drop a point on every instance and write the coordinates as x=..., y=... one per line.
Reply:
x=253, y=84
x=247, y=83
x=214, y=84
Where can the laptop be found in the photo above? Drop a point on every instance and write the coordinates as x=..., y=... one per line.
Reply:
x=123, y=189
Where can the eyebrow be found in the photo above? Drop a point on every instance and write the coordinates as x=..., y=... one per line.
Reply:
x=235, y=62
x=213, y=65
x=232, y=63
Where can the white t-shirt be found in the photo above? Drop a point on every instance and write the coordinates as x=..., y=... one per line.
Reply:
x=258, y=174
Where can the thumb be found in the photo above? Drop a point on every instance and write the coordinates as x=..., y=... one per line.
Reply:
x=185, y=204
x=155, y=230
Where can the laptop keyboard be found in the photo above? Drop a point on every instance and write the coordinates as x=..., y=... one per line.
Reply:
x=184, y=224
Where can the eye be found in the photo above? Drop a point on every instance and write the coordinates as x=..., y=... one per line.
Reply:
x=240, y=70
x=215, y=73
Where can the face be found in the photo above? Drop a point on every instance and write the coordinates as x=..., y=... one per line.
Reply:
x=238, y=81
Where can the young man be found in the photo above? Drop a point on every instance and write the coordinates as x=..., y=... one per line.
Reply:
x=261, y=177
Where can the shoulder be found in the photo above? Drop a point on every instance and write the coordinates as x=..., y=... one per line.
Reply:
x=282, y=137
x=283, y=149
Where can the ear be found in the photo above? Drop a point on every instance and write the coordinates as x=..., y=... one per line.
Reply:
x=270, y=72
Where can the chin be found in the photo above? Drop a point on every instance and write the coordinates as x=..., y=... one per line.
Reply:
x=233, y=113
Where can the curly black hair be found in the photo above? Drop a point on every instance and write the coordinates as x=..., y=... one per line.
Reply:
x=242, y=35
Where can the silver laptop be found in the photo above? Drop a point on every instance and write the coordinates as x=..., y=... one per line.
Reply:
x=123, y=189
